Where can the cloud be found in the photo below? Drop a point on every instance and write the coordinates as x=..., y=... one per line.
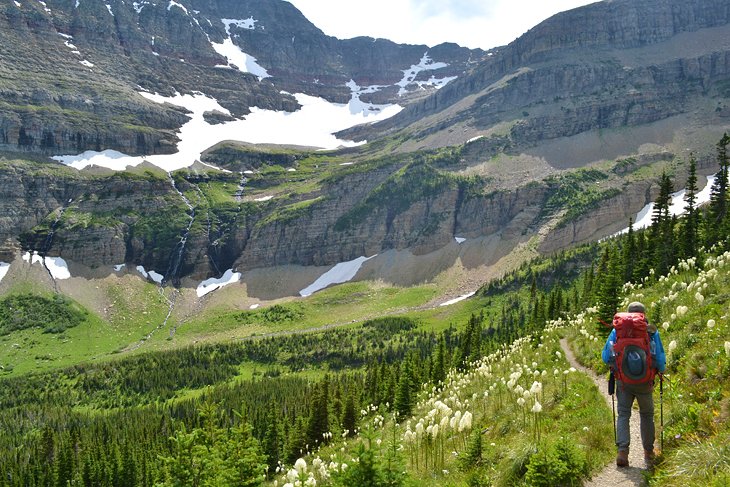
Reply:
x=470, y=23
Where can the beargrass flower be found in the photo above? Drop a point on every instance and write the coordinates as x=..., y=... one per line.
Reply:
x=710, y=324
x=537, y=408
x=727, y=349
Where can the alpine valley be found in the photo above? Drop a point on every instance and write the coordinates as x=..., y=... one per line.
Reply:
x=226, y=235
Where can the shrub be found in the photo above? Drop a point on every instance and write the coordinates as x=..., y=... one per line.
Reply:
x=560, y=464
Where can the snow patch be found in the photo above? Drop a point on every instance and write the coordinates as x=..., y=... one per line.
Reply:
x=109, y=8
x=150, y=275
x=474, y=139
x=210, y=285
x=4, y=268
x=342, y=272
x=249, y=23
x=17, y=4
x=87, y=63
x=119, y=267
x=45, y=7
x=456, y=300
x=358, y=106
x=173, y=3
x=254, y=306
x=459, y=240
x=55, y=265
x=410, y=74
x=138, y=6
x=235, y=56
x=676, y=207
x=312, y=125
x=264, y=198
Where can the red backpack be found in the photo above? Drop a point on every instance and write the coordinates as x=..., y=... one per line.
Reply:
x=632, y=349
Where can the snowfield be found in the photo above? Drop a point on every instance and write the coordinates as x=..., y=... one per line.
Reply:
x=4, y=268
x=342, y=272
x=156, y=277
x=55, y=265
x=312, y=125
x=212, y=284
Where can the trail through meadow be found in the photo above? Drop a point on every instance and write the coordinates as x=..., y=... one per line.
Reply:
x=611, y=475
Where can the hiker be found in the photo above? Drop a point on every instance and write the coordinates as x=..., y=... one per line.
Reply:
x=630, y=387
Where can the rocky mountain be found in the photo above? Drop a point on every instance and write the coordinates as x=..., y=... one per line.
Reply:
x=604, y=66
x=72, y=70
x=556, y=139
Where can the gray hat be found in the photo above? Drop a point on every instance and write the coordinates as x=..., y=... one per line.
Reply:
x=637, y=307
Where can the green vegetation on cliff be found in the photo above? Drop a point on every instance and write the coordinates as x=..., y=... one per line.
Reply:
x=52, y=314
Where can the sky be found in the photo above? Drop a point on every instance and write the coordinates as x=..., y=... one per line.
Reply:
x=470, y=23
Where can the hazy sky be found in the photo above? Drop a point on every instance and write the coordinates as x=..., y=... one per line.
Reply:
x=470, y=23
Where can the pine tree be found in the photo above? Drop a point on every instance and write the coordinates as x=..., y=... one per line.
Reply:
x=272, y=441
x=587, y=294
x=662, y=228
x=439, y=368
x=476, y=340
x=403, y=400
x=319, y=415
x=609, y=285
x=629, y=253
x=718, y=217
x=349, y=415
x=691, y=221
x=296, y=443
x=243, y=464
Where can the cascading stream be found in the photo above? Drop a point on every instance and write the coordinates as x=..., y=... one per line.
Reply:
x=48, y=243
x=173, y=270
x=241, y=187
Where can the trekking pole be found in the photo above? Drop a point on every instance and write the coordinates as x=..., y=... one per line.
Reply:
x=611, y=390
x=661, y=410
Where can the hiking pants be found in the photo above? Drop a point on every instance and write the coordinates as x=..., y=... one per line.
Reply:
x=625, y=394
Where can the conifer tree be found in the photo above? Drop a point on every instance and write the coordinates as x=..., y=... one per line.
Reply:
x=439, y=367
x=272, y=441
x=691, y=220
x=296, y=443
x=587, y=293
x=243, y=464
x=628, y=255
x=349, y=415
x=718, y=217
x=319, y=414
x=662, y=229
x=476, y=340
x=609, y=285
x=403, y=399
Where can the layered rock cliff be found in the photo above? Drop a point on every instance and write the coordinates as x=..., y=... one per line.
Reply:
x=622, y=63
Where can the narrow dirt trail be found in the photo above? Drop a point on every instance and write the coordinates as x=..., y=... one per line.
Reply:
x=612, y=475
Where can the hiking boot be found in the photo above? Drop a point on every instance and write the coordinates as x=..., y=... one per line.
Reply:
x=622, y=459
x=649, y=458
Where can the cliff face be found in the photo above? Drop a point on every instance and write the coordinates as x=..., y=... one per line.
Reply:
x=622, y=63
x=106, y=220
x=72, y=70
x=615, y=65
